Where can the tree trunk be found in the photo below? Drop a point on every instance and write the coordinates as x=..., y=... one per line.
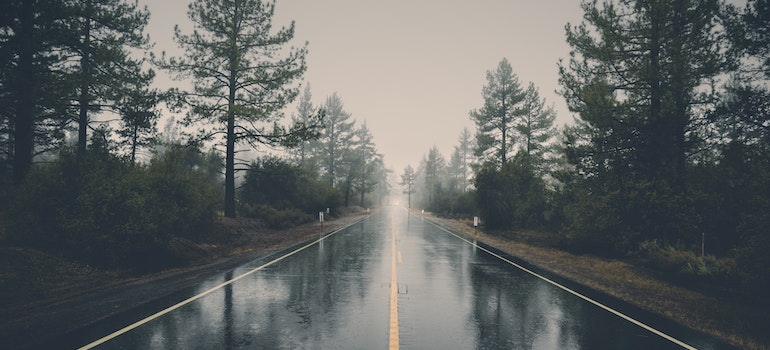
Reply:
x=134, y=142
x=23, y=132
x=230, y=158
x=85, y=66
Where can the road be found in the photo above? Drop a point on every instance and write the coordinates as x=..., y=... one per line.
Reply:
x=391, y=281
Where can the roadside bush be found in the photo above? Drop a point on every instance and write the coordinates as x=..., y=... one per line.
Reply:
x=511, y=197
x=282, y=219
x=686, y=264
x=102, y=210
x=284, y=195
x=454, y=204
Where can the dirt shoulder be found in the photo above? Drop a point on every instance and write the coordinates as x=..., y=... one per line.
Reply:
x=45, y=296
x=620, y=279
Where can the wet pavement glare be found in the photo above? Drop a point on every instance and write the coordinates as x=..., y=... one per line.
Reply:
x=336, y=295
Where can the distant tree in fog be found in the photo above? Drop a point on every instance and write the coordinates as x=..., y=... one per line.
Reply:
x=367, y=164
x=459, y=162
x=434, y=170
x=335, y=139
x=408, y=179
x=305, y=111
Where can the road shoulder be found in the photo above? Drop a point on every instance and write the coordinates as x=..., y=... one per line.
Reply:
x=102, y=295
x=632, y=284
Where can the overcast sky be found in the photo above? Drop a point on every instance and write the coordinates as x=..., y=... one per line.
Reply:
x=412, y=69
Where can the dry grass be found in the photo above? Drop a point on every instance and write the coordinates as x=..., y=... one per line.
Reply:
x=630, y=283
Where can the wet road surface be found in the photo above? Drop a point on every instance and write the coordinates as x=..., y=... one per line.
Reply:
x=390, y=281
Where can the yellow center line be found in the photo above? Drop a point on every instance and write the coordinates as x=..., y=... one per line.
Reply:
x=393, y=295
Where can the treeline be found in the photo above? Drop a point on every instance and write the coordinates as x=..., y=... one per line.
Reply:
x=339, y=167
x=84, y=171
x=670, y=148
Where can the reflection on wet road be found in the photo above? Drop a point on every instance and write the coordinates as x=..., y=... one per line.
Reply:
x=338, y=293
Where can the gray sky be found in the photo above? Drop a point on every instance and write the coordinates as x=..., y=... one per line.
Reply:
x=412, y=69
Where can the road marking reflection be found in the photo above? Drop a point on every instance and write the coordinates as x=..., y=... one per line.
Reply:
x=393, y=340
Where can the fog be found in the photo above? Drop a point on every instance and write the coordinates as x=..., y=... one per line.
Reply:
x=411, y=70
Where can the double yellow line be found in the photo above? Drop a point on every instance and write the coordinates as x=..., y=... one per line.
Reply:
x=393, y=343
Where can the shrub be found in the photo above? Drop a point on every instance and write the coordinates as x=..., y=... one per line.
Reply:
x=102, y=210
x=282, y=219
x=686, y=264
x=283, y=194
x=513, y=196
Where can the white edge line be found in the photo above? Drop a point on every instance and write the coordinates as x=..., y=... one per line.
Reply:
x=605, y=307
x=209, y=291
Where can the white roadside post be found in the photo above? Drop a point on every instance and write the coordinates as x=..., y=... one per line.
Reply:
x=321, y=218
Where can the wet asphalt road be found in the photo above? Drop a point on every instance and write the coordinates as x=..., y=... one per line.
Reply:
x=339, y=293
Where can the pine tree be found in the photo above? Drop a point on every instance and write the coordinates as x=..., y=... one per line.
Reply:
x=34, y=89
x=408, y=180
x=434, y=170
x=335, y=138
x=503, y=97
x=242, y=75
x=101, y=38
x=637, y=76
x=305, y=111
x=535, y=127
x=369, y=162
x=458, y=168
x=139, y=118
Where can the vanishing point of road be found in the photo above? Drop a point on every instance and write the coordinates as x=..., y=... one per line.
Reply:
x=390, y=281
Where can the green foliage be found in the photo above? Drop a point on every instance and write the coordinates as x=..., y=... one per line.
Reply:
x=503, y=97
x=284, y=194
x=243, y=76
x=513, y=196
x=454, y=204
x=635, y=76
x=331, y=147
x=102, y=210
x=686, y=264
x=277, y=218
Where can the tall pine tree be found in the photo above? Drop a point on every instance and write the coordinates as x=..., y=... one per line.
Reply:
x=495, y=120
x=243, y=76
x=535, y=128
x=34, y=88
x=335, y=139
x=101, y=36
x=637, y=76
